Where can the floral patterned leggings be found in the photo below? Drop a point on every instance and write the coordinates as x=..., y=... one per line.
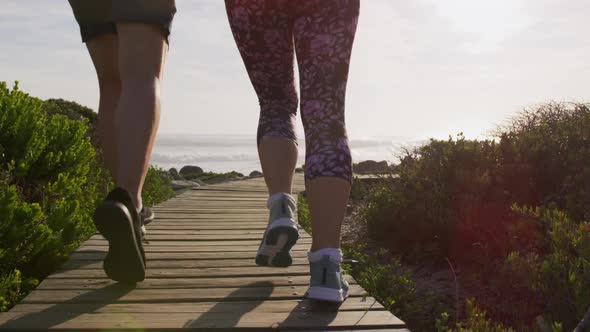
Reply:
x=321, y=32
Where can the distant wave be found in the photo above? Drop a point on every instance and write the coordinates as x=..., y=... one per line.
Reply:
x=222, y=153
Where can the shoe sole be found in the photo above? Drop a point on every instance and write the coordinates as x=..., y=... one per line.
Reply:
x=124, y=261
x=275, y=249
x=326, y=294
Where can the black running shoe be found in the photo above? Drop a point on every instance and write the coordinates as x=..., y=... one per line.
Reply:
x=118, y=221
x=147, y=215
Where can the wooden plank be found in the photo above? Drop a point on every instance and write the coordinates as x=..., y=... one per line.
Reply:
x=248, y=318
x=196, y=221
x=254, y=213
x=120, y=294
x=183, y=238
x=195, y=272
x=205, y=282
x=174, y=231
x=252, y=244
x=157, y=224
x=174, y=263
x=182, y=256
x=171, y=249
x=211, y=217
x=351, y=304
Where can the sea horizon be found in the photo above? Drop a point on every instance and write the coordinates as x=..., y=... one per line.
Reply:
x=237, y=152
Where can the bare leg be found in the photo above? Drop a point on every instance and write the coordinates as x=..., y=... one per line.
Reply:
x=104, y=53
x=327, y=202
x=142, y=50
x=278, y=156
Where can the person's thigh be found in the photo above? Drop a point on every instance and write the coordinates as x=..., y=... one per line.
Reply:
x=103, y=51
x=263, y=33
x=142, y=50
x=324, y=35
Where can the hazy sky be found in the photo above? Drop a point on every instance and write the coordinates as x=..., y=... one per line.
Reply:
x=420, y=68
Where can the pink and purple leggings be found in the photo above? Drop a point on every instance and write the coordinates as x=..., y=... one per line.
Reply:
x=321, y=32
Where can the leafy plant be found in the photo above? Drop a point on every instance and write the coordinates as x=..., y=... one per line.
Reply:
x=303, y=214
x=156, y=187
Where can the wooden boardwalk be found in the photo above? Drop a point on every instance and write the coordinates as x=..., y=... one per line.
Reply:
x=201, y=275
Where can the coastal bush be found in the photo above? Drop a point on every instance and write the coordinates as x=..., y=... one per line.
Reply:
x=212, y=177
x=545, y=157
x=50, y=182
x=156, y=187
x=303, y=214
x=452, y=198
x=557, y=280
x=458, y=199
x=71, y=109
x=476, y=321
x=393, y=285
x=444, y=200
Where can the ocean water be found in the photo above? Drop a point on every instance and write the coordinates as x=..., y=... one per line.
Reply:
x=223, y=153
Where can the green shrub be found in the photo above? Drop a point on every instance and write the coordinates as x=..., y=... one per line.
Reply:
x=476, y=321
x=50, y=182
x=303, y=215
x=72, y=110
x=545, y=157
x=23, y=234
x=211, y=177
x=563, y=274
x=454, y=199
x=156, y=188
x=444, y=200
x=392, y=285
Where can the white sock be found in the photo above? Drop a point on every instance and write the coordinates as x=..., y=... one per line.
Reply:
x=334, y=253
x=272, y=200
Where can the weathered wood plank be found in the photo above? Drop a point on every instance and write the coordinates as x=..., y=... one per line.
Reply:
x=174, y=263
x=248, y=318
x=183, y=235
x=195, y=272
x=116, y=294
x=182, y=256
x=157, y=283
x=159, y=225
x=217, y=248
x=351, y=304
x=198, y=243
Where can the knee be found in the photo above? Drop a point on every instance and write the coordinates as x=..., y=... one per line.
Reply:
x=139, y=76
x=338, y=165
x=277, y=121
x=328, y=153
x=277, y=117
x=142, y=84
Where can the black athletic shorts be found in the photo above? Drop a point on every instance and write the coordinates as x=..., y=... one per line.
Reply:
x=98, y=17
